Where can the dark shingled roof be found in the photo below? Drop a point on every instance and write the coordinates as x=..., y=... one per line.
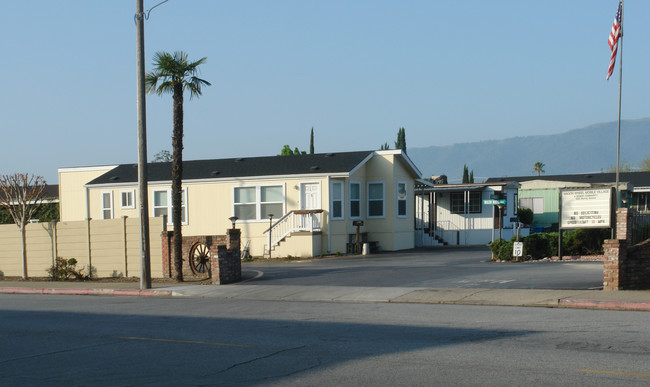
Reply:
x=638, y=179
x=240, y=167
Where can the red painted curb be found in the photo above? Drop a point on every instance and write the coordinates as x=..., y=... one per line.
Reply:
x=90, y=292
x=605, y=304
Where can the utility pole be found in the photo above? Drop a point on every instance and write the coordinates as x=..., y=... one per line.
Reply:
x=145, y=258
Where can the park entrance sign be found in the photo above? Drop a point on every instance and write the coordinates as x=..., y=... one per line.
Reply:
x=586, y=208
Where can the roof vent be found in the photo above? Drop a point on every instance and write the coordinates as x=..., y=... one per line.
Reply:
x=589, y=176
x=329, y=155
x=215, y=173
x=314, y=168
x=239, y=159
x=113, y=178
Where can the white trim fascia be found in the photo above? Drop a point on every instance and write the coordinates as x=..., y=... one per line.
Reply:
x=113, y=185
x=228, y=180
x=641, y=189
x=356, y=168
x=87, y=169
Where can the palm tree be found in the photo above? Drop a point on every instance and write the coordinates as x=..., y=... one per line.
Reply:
x=539, y=167
x=174, y=74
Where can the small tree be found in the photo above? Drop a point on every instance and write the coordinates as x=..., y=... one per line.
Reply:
x=163, y=156
x=385, y=146
x=471, y=177
x=465, y=175
x=645, y=164
x=21, y=195
x=525, y=215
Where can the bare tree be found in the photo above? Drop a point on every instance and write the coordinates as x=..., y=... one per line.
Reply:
x=21, y=195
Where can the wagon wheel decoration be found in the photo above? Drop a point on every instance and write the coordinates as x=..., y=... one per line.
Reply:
x=200, y=258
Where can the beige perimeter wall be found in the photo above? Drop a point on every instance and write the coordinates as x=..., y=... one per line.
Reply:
x=110, y=247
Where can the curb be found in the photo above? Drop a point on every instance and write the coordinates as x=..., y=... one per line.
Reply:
x=642, y=306
x=90, y=292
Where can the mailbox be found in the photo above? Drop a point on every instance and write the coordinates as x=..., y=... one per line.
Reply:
x=357, y=222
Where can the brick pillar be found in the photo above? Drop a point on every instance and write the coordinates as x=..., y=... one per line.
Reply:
x=615, y=253
x=623, y=227
x=166, y=237
x=225, y=261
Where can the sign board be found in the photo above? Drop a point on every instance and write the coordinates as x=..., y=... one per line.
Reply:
x=586, y=208
x=518, y=249
x=494, y=202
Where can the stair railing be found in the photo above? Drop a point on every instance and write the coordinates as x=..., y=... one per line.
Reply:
x=294, y=221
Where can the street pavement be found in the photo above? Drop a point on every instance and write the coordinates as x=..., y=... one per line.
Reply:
x=586, y=299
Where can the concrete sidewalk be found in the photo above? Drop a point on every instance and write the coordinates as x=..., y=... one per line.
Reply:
x=585, y=299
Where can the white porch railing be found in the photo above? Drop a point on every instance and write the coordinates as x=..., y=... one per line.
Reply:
x=294, y=221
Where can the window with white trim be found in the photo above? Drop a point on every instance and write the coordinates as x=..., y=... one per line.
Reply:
x=336, y=200
x=376, y=199
x=162, y=204
x=107, y=205
x=401, y=199
x=355, y=200
x=535, y=204
x=127, y=198
x=257, y=202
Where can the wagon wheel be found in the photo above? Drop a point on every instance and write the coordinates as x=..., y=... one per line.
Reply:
x=200, y=258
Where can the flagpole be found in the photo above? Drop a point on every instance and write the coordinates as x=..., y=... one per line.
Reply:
x=620, y=89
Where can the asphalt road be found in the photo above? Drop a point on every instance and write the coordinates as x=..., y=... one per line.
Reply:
x=77, y=340
x=441, y=268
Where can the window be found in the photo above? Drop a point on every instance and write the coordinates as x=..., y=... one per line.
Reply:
x=162, y=204
x=535, y=204
x=401, y=199
x=355, y=200
x=376, y=199
x=475, y=202
x=107, y=205
x=258, y=202
x=458, y=202
x=127, y=199
x=336, y=207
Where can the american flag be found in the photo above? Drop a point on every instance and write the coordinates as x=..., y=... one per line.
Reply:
x=614, y=35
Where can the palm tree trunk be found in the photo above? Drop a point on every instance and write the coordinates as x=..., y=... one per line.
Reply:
x=177, y=177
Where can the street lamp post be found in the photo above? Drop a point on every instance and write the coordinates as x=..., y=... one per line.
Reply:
x=500, y=219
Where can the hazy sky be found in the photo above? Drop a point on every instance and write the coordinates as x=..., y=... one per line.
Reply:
x=355, y=70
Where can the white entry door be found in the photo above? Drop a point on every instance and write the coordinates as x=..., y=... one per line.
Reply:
x=310, y=196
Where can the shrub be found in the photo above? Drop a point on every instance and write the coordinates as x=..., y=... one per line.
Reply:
x=525, y=216
x=66, y=269
x=502, y=250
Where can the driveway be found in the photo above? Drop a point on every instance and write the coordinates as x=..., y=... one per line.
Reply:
x=430, y=268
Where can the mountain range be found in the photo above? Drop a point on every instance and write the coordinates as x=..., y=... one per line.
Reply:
x=587, y=150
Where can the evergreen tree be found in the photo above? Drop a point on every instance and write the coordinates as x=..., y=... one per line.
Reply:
x=401, y=140
x=311, y=142
x=385, y=146
x=471, y=177
x=465, y=174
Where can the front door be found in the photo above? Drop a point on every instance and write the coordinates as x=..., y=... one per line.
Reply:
x=310, y=196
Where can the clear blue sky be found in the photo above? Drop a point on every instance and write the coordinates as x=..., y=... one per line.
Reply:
x=355, y=70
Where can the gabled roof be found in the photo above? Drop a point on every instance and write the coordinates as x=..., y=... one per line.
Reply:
x=638, y=179
x=310, y=164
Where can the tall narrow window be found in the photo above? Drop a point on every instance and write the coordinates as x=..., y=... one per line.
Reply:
x=355, y=200
x=160, y=203
x=107, y=205
x=401, y=199
x=245, y=199
x=376, y=199
x=127, y=200
x=271, y=201
x=336, y=209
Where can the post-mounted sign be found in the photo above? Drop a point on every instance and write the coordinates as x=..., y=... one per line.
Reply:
x=586, y=208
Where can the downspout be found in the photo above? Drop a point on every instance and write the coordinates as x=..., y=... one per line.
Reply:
x=329, y=238
x=87, y=204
